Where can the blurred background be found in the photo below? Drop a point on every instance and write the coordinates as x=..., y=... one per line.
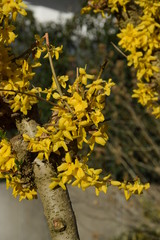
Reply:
x=134, y=135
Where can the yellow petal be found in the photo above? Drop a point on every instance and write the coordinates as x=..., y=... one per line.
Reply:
x=62, y=167
x=100, y=141
x=80, y=173
x=146, y=186
x=127, y=195
x=56, y=96
x=26, y=137
x=53, y=185
x=115, y=183
x=67, y=135
x=62, y=185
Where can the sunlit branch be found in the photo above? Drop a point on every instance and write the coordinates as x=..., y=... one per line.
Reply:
x=52, y=67
x=53, y=70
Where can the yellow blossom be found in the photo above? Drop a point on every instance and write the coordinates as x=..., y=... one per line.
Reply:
x=7, y=159
x=84, y=76
x=19, y=190
x=79, y=104
x=55, y=51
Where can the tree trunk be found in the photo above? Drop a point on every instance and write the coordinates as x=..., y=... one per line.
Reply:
x=56, y=203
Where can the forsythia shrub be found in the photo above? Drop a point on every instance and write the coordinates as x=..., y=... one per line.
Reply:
x=141, y=40
x=77, y=114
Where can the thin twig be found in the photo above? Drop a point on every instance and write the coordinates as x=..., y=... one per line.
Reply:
x=46, y=36
x=26, y=52
x=102, y=68
x=52, y=67
x=119, y=50
x=28, y=94
x=77, y=73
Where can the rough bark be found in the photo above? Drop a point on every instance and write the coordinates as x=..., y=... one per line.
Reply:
x=56, y=203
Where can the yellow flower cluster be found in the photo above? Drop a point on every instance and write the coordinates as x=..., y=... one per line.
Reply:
x=77, y=116
x=10, y=170
x=7, y=159
x=146, y=95
x=20, y=189
x=141, y=42
x=131, y=188
x=17, y=72
x=80, y=175
x=10, y=8
x=97, y=6
x=77, y=120
x=114, y=5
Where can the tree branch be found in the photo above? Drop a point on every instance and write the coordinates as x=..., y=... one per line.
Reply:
x=56, y=203
x=28, y=94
